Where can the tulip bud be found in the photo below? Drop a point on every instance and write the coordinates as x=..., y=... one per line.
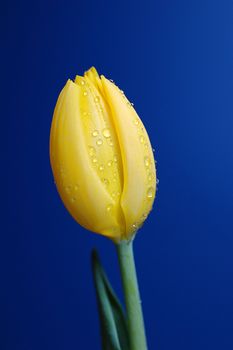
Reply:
x=101, y=157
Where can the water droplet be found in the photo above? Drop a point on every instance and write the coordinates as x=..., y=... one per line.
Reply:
x=147, y=161
x=82, y=82
x=150, y=192
x=85, y=113
x=149, y=177
x=94, y=160
x=153, y=150
x=68, y=189
x=105, y=181
x=132, y=104
x=85, y=93
x=91, y=150
x=144, y=216
x=95, y=133
x=157, y=181
x=106, y=133
x=136, y=122
x=76, y=187
x=122, y=92
x=109, y=207
x=110, y=163
x=142, y=139
x=111, y=80
x=97, y=99
x=115, y=159
x=99, y=142
x=101, y=167
x=110, y=142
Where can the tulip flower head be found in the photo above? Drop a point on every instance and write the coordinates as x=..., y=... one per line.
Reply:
x=101, y=157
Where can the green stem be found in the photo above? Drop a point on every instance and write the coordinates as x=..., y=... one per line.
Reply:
x=137, y=338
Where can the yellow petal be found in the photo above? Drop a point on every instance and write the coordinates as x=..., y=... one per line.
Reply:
x=139, y=176
x=92, y=74
x=94, y=77
x=100, y=134
x=75, y=160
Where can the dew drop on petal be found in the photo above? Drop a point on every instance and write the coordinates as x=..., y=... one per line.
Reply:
x=142, y=139
x=149, y=177
x=99, y=142
x=110, y=163
x=101, y=167
x=94, y=160
x=105, y=181
x=106, y=133
x=68, y=189
x=150, y=192
x=85, y=93
x=95, y=133
x=109, y=207
x=110, y=142
x=91, y=151
x=97, y=99
x=147, y=161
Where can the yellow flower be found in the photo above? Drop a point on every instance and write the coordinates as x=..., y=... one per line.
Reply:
x=101, y=157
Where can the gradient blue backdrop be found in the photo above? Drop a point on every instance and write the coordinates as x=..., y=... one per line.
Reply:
x=174, y=60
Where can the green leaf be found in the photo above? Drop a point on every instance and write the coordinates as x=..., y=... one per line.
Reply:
x=112, y=318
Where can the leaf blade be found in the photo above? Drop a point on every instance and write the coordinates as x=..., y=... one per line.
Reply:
x=112, y=318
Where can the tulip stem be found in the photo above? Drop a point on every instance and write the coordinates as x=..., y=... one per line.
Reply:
x=136, y=331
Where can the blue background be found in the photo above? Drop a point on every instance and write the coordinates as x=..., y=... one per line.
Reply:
x=174, y=60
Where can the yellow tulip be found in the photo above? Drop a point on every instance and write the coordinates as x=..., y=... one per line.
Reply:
x=101, y=157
